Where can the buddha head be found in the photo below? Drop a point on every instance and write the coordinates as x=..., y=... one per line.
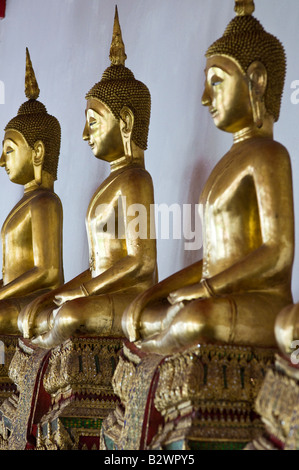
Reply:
x=118, y=107
x=245, y=73
x=31, y=143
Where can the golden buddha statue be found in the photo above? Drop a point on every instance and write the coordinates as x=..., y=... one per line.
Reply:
x=235, y=292
x=122, y=265
x=32, y=232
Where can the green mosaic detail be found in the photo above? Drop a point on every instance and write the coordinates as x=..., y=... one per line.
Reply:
x=85, y=423
x=178, y=445
x=194, y=445
x=109, y=443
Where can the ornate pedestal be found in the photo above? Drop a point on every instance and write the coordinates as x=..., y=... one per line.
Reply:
x=200, y=399
x=17, y=413
x=7, y=351
x=79, y=380
x=63, y=395
x=278, y=405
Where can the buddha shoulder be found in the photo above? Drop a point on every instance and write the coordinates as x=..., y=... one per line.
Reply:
x=134, y=175
x=42, y=205
x=45, y=200
x=132, y=181
x=45, y=195
x=258, y=153
x=267, y=148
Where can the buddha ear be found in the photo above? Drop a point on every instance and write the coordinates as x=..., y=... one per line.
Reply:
x=38, y=156
x=126, y=128
x=257, y=76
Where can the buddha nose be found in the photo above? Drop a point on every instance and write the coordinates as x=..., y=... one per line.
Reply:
x=85, y=134
x=2, y=160
x=206, y=99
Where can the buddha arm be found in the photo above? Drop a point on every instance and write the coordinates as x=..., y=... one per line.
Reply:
x=188, y=277
x=46, y=220
x=74, y=283
x=124, y=273
x=270, y=264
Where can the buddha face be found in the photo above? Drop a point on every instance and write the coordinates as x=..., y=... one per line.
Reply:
x=227, y=94
x=102, y=131
x=17, y=158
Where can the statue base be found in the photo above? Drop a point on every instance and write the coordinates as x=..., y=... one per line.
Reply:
x=8, y=345
x=200, y=399
x=277, y=404
x=63, y=395
x=17, y=413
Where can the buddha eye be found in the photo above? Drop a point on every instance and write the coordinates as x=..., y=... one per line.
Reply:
x=216, y=81
x=8, y=150
x=92, y=123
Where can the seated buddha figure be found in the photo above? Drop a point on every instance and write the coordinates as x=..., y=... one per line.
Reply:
x=122, y=265
x=235, y=292
x=32, y=232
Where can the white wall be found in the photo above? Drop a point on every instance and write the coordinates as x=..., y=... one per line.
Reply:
x=165, y=40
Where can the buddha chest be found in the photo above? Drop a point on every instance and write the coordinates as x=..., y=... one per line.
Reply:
x=231, y=216
x=17, y=242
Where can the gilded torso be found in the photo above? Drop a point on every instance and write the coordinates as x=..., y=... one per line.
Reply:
x=102, y=227
x=17, y=242
x=106, y=218
x=19, y=249
x=238, y=207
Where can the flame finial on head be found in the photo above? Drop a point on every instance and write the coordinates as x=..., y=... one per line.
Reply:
x=117, y=50
x=31, y=86
x=244, y=7
x=34, y=122
x=118, y=88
